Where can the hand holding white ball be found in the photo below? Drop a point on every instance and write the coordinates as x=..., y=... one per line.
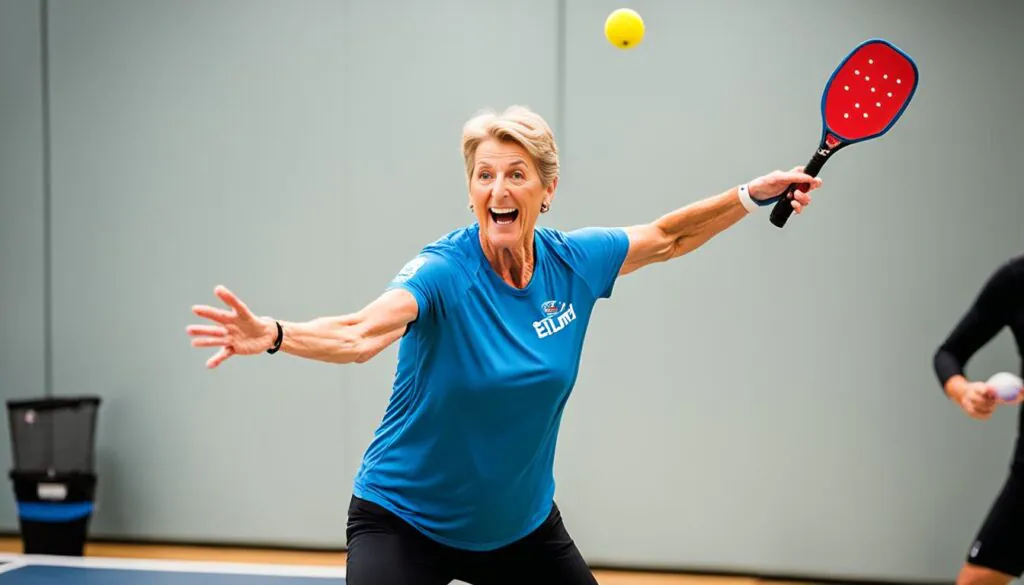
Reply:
x=1008, y=386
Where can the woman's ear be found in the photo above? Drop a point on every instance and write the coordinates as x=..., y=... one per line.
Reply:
x=552, y=187
x=550, y=195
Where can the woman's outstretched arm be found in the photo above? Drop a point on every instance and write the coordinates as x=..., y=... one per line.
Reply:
x=688, y=228
x=343, y=339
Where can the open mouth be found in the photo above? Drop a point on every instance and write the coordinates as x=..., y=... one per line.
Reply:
x=504, y=215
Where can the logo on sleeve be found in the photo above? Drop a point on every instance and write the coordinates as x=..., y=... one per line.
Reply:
x=557, y=315
x=410, y=269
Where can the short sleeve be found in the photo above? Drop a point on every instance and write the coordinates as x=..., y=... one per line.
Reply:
x=598, y=254
x=428, y=278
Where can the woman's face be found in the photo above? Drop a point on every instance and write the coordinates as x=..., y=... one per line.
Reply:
x=506, y=192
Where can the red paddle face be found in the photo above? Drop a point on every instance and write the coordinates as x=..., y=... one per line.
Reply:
x=868, y=92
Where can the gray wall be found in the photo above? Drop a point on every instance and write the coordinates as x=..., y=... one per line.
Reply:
x=22, y=329
x=765, y=404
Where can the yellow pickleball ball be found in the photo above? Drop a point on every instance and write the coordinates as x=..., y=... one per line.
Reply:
x=624, y=28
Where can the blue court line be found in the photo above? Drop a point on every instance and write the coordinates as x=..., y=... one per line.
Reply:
x=46, y=570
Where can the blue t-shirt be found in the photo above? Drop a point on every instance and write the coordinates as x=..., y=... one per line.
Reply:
x=465, y=451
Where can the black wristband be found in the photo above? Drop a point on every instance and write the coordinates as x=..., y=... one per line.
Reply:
x=277, y=342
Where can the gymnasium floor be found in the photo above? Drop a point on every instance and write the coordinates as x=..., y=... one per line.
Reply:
x=130, y=564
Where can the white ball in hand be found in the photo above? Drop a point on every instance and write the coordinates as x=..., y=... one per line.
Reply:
x=1006, y=385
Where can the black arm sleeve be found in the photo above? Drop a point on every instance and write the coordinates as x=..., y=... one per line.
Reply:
x=982, y=321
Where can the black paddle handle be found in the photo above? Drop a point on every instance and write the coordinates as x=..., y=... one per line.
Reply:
x=783, y=207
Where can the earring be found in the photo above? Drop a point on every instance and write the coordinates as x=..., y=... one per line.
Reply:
x=471, y=207
x=544, y=207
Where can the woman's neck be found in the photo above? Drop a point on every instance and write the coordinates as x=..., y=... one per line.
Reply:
x=514, y=265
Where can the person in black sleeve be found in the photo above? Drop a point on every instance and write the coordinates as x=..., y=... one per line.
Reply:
x=996, y=556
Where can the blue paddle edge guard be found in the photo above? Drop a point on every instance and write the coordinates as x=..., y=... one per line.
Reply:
x=54, y=512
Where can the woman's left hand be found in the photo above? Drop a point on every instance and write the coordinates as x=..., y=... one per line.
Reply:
x=774, y=184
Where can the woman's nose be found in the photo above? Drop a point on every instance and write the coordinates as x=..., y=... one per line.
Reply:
x=498, y=188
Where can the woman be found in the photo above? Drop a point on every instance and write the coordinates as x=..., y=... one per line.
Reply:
x=997, y=555
x=458, y=481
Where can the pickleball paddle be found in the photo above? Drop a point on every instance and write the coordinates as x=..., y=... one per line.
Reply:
x=864, y=97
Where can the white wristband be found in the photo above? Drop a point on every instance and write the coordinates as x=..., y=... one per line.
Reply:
x=748, y=202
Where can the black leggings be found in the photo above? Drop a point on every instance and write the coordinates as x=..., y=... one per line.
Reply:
x=385, y=550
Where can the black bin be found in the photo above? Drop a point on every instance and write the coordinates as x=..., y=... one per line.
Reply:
x=54, y=477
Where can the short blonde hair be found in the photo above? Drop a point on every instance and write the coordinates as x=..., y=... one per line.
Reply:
x=519, y=124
